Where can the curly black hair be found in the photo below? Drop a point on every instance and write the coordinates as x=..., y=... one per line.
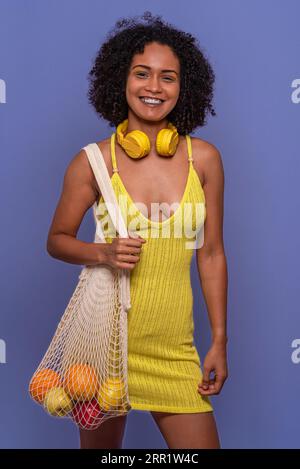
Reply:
x=108, y=76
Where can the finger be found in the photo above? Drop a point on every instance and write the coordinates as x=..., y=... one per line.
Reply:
x=134, y=249
x=133, y=235
x=205, y=378
x=205, y=392
x=128, y=258
x=219, y=382
x=211, y=379
x=204, y=385
x=212, y=383
x=129, y=250
x=124, y=265
x=215, y=387
x=133, y=241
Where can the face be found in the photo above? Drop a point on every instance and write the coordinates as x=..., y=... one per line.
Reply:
x=154, y=73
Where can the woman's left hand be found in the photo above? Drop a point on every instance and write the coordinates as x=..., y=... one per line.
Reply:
x=216, y=362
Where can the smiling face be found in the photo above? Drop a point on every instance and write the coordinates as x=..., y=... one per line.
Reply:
x=155, y=73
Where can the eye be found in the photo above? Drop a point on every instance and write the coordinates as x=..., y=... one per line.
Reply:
x=144, y=73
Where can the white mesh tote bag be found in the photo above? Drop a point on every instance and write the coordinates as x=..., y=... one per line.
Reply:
x=83, y=375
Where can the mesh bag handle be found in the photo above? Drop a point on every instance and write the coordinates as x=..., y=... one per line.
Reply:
x=100, y=171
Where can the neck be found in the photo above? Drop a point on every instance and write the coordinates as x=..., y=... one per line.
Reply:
x=150, y=128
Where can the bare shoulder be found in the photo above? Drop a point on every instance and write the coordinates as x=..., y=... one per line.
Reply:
x=104, y=146
x=207, y=159
x=79, y=168
x=79, y=171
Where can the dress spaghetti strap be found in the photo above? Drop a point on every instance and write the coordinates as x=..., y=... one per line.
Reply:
x=189, y=147
x=113, y=153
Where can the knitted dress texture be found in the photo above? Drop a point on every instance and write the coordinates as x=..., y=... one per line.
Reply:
x=163, y=363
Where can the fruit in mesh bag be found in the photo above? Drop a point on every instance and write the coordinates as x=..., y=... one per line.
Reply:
x=81, y=382
x=111, y=393
x=87, y=414
x=57, y=402
x=42, y=382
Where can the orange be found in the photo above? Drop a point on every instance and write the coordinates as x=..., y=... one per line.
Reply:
x=81, y=382
x=42, y=382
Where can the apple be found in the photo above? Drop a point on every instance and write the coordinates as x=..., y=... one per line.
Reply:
x=87, y=414
x=57, y=402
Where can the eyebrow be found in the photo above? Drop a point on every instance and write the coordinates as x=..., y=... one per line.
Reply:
x=149, y=68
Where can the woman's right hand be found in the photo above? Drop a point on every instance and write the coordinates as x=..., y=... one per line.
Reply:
x=123, y=253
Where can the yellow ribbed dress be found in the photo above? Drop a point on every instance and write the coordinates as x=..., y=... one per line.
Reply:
x=163, y=362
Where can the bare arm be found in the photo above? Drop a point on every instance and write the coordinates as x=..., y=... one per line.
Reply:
x=211, y=260
x=212, y=268
x=78, y=195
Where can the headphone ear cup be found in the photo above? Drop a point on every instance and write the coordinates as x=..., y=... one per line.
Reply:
x=167, y=142
x=136, y=144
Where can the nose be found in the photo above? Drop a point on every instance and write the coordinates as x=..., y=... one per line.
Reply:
x=153, y=84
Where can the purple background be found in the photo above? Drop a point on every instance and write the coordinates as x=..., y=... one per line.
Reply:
x=46, y=51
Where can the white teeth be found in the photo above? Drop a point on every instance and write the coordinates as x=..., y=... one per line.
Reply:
x=151, y=101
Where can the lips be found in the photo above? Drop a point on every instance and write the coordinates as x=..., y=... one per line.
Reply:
x=151, y=97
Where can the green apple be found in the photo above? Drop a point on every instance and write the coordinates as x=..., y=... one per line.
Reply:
x=57, y=402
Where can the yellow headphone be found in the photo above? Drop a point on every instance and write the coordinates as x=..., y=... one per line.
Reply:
x=137, y=143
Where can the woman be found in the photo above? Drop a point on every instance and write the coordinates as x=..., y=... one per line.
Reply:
x=144, y=77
